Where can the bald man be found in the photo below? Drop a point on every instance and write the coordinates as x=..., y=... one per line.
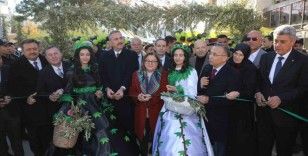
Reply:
x=200, y=57
x=255, y=40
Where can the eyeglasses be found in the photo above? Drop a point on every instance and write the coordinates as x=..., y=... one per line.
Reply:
x=147, y=61
x=252, y=38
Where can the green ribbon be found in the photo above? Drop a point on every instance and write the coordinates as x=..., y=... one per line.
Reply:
x=84, y=90
x=281, y=109
x=293, y=114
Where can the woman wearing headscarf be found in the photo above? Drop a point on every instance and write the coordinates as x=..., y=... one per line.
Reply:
x=242, y=113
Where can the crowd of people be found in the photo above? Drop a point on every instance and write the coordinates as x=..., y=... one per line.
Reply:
x=248, y=93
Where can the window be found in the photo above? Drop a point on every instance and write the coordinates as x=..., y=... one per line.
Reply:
x=297, y=12
x=285, y=14
x=267, y=18
x=275, y=18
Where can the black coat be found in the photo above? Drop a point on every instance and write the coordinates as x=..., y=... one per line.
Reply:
x=290, y=85
x=4, y=80
x=225, y=81
x=49, y=82
x=22, y=83
x=168, y=63
x=243, y=110
x=117, y=72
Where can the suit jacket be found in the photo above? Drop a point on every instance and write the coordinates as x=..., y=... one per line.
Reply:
x=168, y=63
x=192, y=62
x=48, y=82
x=290, y=85
x=4, y=78
x=117, y=72
x=226, y=80
x=256, y=62
x=22, y=82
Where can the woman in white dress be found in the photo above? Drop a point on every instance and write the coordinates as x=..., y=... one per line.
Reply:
x=179, y=129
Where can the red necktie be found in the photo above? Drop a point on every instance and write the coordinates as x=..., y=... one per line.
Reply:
x=213, y=73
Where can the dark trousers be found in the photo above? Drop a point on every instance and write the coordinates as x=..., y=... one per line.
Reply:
x=10, y=126
x=268, y=134
x=219, y=148
x=304, y=135
x=40, y=138
x=242, y=139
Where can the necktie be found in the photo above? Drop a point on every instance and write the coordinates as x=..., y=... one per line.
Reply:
x=117, y=54
x=36, y=66
x=60, y=73
x=278, y=66
x=213, y=73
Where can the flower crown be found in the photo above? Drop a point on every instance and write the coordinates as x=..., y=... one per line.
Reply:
x=82, y=43
x=185, y=48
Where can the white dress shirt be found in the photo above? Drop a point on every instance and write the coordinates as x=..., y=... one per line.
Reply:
x=56, y=69
x=285, y=56
x=218, y=69
x=162, y=60
x=253, y=56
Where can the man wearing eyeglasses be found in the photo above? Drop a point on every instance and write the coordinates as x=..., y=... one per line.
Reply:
x=255, y=42
x=283, y=85
x=220, y=79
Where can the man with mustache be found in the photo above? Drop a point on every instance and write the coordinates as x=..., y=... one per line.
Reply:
x=116, y=68
x=22, y=82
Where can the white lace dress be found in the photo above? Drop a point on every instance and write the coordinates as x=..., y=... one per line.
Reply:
x=179, y=134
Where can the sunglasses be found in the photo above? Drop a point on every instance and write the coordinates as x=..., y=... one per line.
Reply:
x=252, y=38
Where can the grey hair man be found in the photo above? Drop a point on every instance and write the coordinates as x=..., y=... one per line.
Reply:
x=136, y=45
x=283, y=84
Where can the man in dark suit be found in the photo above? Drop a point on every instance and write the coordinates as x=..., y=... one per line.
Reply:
x=22, y=83
x=51, y=82
x=283, y=84
x=117, y=66
x=7, y=125
x=222, y=79
x=136, y=46
x=160, y=48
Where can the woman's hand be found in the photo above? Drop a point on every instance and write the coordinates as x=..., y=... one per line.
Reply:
x=144, y=97
x=171, y=88
x=203, y=99
x=232, y=95
x=99, y=94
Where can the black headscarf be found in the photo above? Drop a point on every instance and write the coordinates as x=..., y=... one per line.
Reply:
x=245, y=49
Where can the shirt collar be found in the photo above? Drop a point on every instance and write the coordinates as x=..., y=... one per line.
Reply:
x=56, y=68
x=285, y=56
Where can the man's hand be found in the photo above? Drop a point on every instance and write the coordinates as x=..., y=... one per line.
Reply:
x=232, y=95
x=55, y=95
x=204, y=81
x=203, y=99
x=274, y=102
x=260, y=99
x=119, y=94
x=30, y=99
x=110, y=93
